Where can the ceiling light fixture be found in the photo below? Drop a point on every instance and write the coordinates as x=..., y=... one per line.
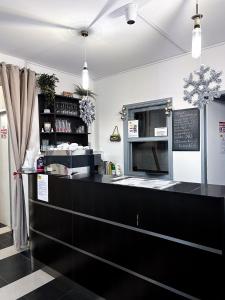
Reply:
x=85, y=73
x=197, y=34
x=131, y=13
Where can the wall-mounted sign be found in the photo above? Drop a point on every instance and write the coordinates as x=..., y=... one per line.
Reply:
x=222, y=137
x=3, y=132
x=161, y=131
x=221, y=127
x=186, y=129
x=133, y=129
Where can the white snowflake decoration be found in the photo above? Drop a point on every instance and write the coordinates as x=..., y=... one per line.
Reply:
x=87, y=110
x=203, y=90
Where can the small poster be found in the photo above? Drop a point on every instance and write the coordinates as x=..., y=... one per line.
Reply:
x=133, y=129
x=3, y=132
x=222, y=137
x=42, y=187
x=221, y=127
x=161, y=131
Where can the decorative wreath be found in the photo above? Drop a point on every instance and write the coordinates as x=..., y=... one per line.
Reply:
x=87, y=110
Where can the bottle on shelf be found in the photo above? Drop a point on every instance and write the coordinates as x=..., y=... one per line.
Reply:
x=40, y=163
x=113, y=169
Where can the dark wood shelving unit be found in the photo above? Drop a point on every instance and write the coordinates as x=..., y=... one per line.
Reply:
x=54, y=138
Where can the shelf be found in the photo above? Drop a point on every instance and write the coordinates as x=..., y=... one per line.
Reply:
x=47, y=114
x=66, y=98
x=71, y=133
x=47, y=132
x=66, y=116
x=55, y=115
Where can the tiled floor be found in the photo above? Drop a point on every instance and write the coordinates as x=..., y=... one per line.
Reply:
x=20, y=279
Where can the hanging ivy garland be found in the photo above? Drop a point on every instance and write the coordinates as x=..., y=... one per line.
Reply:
x=87, y=110
x=205, y=88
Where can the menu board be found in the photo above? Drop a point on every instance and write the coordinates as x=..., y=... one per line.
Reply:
x=186, y=130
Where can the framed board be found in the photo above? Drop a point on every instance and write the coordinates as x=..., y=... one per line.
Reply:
x=186, y=129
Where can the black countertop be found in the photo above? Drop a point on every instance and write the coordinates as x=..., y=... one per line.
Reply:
x=210, y=190
x=182, y=187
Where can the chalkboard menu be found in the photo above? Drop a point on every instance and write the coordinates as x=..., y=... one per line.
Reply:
x=186, y=130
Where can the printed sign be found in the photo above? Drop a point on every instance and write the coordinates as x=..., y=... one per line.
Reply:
x=221, y=127
x=161, y=131
x=222, y=137
x=3, y=132
x=133, y=129
x=42, y=187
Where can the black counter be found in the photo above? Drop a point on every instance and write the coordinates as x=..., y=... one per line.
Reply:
x=125, y=242
x=211, y=190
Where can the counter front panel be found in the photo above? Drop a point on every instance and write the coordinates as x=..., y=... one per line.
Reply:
x=149, y=243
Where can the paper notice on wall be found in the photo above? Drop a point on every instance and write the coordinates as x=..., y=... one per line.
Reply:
x=161, y=131
x=42, y=187
x=133, y=129
x=222, y=136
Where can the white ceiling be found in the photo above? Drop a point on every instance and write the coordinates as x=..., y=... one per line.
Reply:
x=39, y=31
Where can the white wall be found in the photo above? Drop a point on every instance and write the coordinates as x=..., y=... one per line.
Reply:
x=216, y=157
x=156, y=81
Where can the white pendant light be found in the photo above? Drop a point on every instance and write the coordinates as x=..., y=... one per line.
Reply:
x=85, y=77
x=197, y=34
x=85, y=73
x=196, y=43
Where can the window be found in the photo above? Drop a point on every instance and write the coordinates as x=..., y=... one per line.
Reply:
x=149, y=153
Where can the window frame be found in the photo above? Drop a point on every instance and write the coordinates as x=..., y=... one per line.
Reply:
x=145, y=106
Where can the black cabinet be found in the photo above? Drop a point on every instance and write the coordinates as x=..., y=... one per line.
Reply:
x=106, y=201
x=131, y=243
x=101, y=278
x=60, y=192
x=199, y=219
x=182, y=267
x=53, y=222
x=55, y=255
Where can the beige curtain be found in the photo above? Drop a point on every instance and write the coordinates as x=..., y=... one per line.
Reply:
x=19, y=89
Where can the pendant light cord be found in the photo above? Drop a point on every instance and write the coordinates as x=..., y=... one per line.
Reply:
x=196, y=7
x=85, y=50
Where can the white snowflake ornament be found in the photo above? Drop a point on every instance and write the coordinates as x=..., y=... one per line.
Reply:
x=205, y=88
x=87, y=110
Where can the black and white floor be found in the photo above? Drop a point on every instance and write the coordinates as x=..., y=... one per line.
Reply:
x=20, y=279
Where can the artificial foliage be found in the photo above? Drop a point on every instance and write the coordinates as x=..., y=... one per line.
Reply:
x=87, y=110
x=47, y=85
x=81, y=92
x=202, y=86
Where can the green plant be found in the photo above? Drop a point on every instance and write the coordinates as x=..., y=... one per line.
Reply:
x=47, y=84
x=80, y=91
